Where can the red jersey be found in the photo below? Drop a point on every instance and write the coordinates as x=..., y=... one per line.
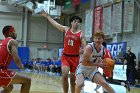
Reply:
x=107, y=54
x=72, y=42
x=5, y=56
x=5, y=59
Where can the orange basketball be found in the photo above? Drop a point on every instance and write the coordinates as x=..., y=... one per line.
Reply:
x=109, y=66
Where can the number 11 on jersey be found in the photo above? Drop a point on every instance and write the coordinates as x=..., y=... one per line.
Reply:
x=70, y=42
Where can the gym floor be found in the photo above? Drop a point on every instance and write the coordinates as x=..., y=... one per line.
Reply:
x=51, y=83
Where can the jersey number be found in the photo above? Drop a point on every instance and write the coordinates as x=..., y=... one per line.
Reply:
x=70, y=42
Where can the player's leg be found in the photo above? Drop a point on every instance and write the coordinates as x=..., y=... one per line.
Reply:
x=72, y=82
x=65, y=85
x=99, y=79
x=79, y=82
x=117, y=82
x=24, y=81
x=73, y=66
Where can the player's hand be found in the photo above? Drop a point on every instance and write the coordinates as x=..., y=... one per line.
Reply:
x=100, y=63
x=45, y=14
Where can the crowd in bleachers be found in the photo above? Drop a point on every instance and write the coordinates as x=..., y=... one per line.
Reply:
x=40, y=65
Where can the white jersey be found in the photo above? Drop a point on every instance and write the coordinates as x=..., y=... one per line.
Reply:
x=95, y=56
x=90, y=71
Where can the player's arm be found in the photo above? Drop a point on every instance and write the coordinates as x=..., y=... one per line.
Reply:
x=83, y=44
x=86, y=58
x=83, y=39
x=53, y=22
x=13, y=50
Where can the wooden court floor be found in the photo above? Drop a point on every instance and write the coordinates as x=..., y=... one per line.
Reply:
x=50, y=83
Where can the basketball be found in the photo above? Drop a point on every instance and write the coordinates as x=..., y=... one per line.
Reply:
x=109, y=66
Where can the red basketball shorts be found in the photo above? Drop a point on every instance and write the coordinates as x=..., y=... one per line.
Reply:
x=6, y=77
x=70, y=61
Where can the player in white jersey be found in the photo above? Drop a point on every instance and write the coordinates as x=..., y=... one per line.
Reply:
x=91, y=59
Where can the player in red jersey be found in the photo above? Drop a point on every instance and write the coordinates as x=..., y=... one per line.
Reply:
x=8, y=51
x=73, y=40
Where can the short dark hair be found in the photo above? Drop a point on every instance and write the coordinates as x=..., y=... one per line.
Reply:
x=76, y=17
x=5, y=29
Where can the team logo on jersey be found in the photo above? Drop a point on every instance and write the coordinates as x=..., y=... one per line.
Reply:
x=71, y=36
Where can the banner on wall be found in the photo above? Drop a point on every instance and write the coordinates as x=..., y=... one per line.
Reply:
x=76, y=2
x=128, y=15
x=106, y=24
x=88, y=24
x=98, y=18
x=118, y=50
x=117, y=18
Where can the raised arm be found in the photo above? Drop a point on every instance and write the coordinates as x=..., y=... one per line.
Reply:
x=13, y=50
x=53, y=22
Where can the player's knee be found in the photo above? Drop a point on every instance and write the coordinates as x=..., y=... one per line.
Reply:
x=72, y=81
x=64, y=75
x=79, y=84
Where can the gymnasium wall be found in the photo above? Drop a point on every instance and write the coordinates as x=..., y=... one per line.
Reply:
x=133, y=38
x=41, y=32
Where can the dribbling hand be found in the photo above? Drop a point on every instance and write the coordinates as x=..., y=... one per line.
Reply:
x=100, y=63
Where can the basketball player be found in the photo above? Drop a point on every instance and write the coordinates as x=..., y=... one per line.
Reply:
x=8, y=51
x=73, y=40
x=107, y=54
x=91, y=60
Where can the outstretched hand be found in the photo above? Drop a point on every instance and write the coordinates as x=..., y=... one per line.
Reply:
x=45, y=14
